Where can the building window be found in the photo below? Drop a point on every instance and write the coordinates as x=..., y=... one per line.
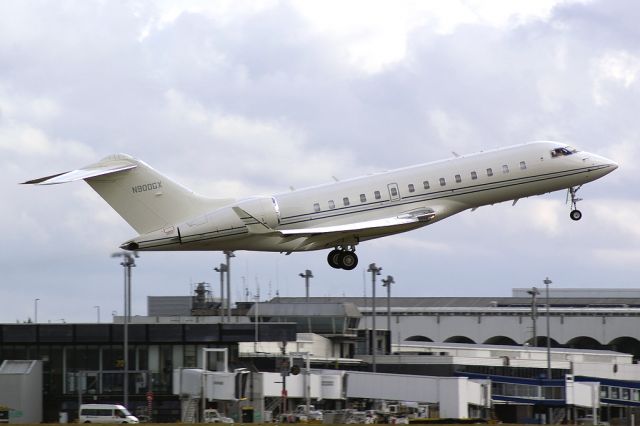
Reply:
x=376, y=195
x=363, y=198
x=489, y=172
x=523, y=165
x=345, y=201
x=316, y=207
x=474, y=175
x=442, y=182
x=458, y=179
x=505, y=169
x=426, y=184
x=412, y=188
x=332, y=205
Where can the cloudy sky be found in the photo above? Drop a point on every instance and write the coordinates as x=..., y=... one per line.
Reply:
x=239, y=98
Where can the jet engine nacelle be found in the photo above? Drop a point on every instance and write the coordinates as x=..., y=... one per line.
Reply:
x=213, y=224
x=265, y=209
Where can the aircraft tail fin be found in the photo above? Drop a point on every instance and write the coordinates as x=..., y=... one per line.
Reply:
x=146, y=199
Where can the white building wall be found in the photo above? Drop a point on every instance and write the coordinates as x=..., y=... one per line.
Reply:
x=453, y=397
x=22, y=393
x=479, y=328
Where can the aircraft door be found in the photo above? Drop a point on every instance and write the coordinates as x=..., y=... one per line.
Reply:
x=394, y=192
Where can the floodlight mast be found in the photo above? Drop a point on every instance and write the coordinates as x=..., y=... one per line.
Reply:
x=307, y=275
x=386, y=282
x=221, y=269
x=35, y=317
x=546, y=282
x=128, y=263
x=374, y=271
x=534, y=292
x=228, y=255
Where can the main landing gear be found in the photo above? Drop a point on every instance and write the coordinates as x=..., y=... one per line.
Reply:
x=342, y=258
x=571, y=193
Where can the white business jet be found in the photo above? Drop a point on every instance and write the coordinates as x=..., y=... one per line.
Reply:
x=338, y=215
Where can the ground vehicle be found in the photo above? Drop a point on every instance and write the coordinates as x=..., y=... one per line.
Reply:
x=313, y=414
x=105, y=413
x=213, y=416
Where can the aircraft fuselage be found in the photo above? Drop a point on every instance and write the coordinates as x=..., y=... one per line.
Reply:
x=434, y=190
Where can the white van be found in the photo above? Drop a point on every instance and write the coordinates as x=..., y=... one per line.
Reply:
x=105, y=413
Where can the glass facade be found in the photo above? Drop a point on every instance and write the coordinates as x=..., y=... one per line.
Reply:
x=88, y=359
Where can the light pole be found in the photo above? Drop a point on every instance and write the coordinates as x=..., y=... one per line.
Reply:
x=128, y=263
x=534, y=314
x=374, y=341
x=222, y=269
x=229, y=254
x=386, y=282
x=35, y=314
x=307, y=274
x=546, y=282
x=98, y=310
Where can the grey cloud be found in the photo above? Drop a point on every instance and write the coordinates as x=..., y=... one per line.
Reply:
x=476, y=88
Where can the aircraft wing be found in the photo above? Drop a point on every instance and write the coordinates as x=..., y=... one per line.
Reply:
x=94, y=170
x=255, y=226
x=422, y=215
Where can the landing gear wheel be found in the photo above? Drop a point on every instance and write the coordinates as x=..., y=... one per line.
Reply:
x=575, y=214
x=334, y=259
x=348, y=260
x=571, y=194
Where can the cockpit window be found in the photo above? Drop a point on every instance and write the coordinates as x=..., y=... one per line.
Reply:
x=559, y=152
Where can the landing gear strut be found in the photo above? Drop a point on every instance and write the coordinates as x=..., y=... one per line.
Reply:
x=341, y=258
x=575, y=213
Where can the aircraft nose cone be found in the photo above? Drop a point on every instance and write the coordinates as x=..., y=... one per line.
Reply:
x=611, y=165
x=603, y=164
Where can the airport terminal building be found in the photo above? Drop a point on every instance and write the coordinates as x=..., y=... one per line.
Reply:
x=479, y=353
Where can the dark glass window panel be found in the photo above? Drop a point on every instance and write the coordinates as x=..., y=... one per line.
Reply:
x=201, y=333
x=165, y=333
x=55, y=333
x=19, y=333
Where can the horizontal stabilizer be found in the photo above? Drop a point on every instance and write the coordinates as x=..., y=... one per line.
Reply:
x=84, y=173
x=146, y=199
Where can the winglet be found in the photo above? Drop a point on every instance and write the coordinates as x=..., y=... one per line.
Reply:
x=253, y=225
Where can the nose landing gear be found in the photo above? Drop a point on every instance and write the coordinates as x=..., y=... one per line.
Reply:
x=341, y=258
x=571, y=193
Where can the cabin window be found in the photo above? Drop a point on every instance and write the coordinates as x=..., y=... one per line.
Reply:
x=474, y=175
x=363, y=198
x=316, y=207
x=376, y=195
x=505, y=169
x=489, y=172
x=412, y=188
x=345, y=201
x=458, y=179
x=426, y=184
x=442, y=182
x=394, y=191
x=523, y=165
x=332, y=205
